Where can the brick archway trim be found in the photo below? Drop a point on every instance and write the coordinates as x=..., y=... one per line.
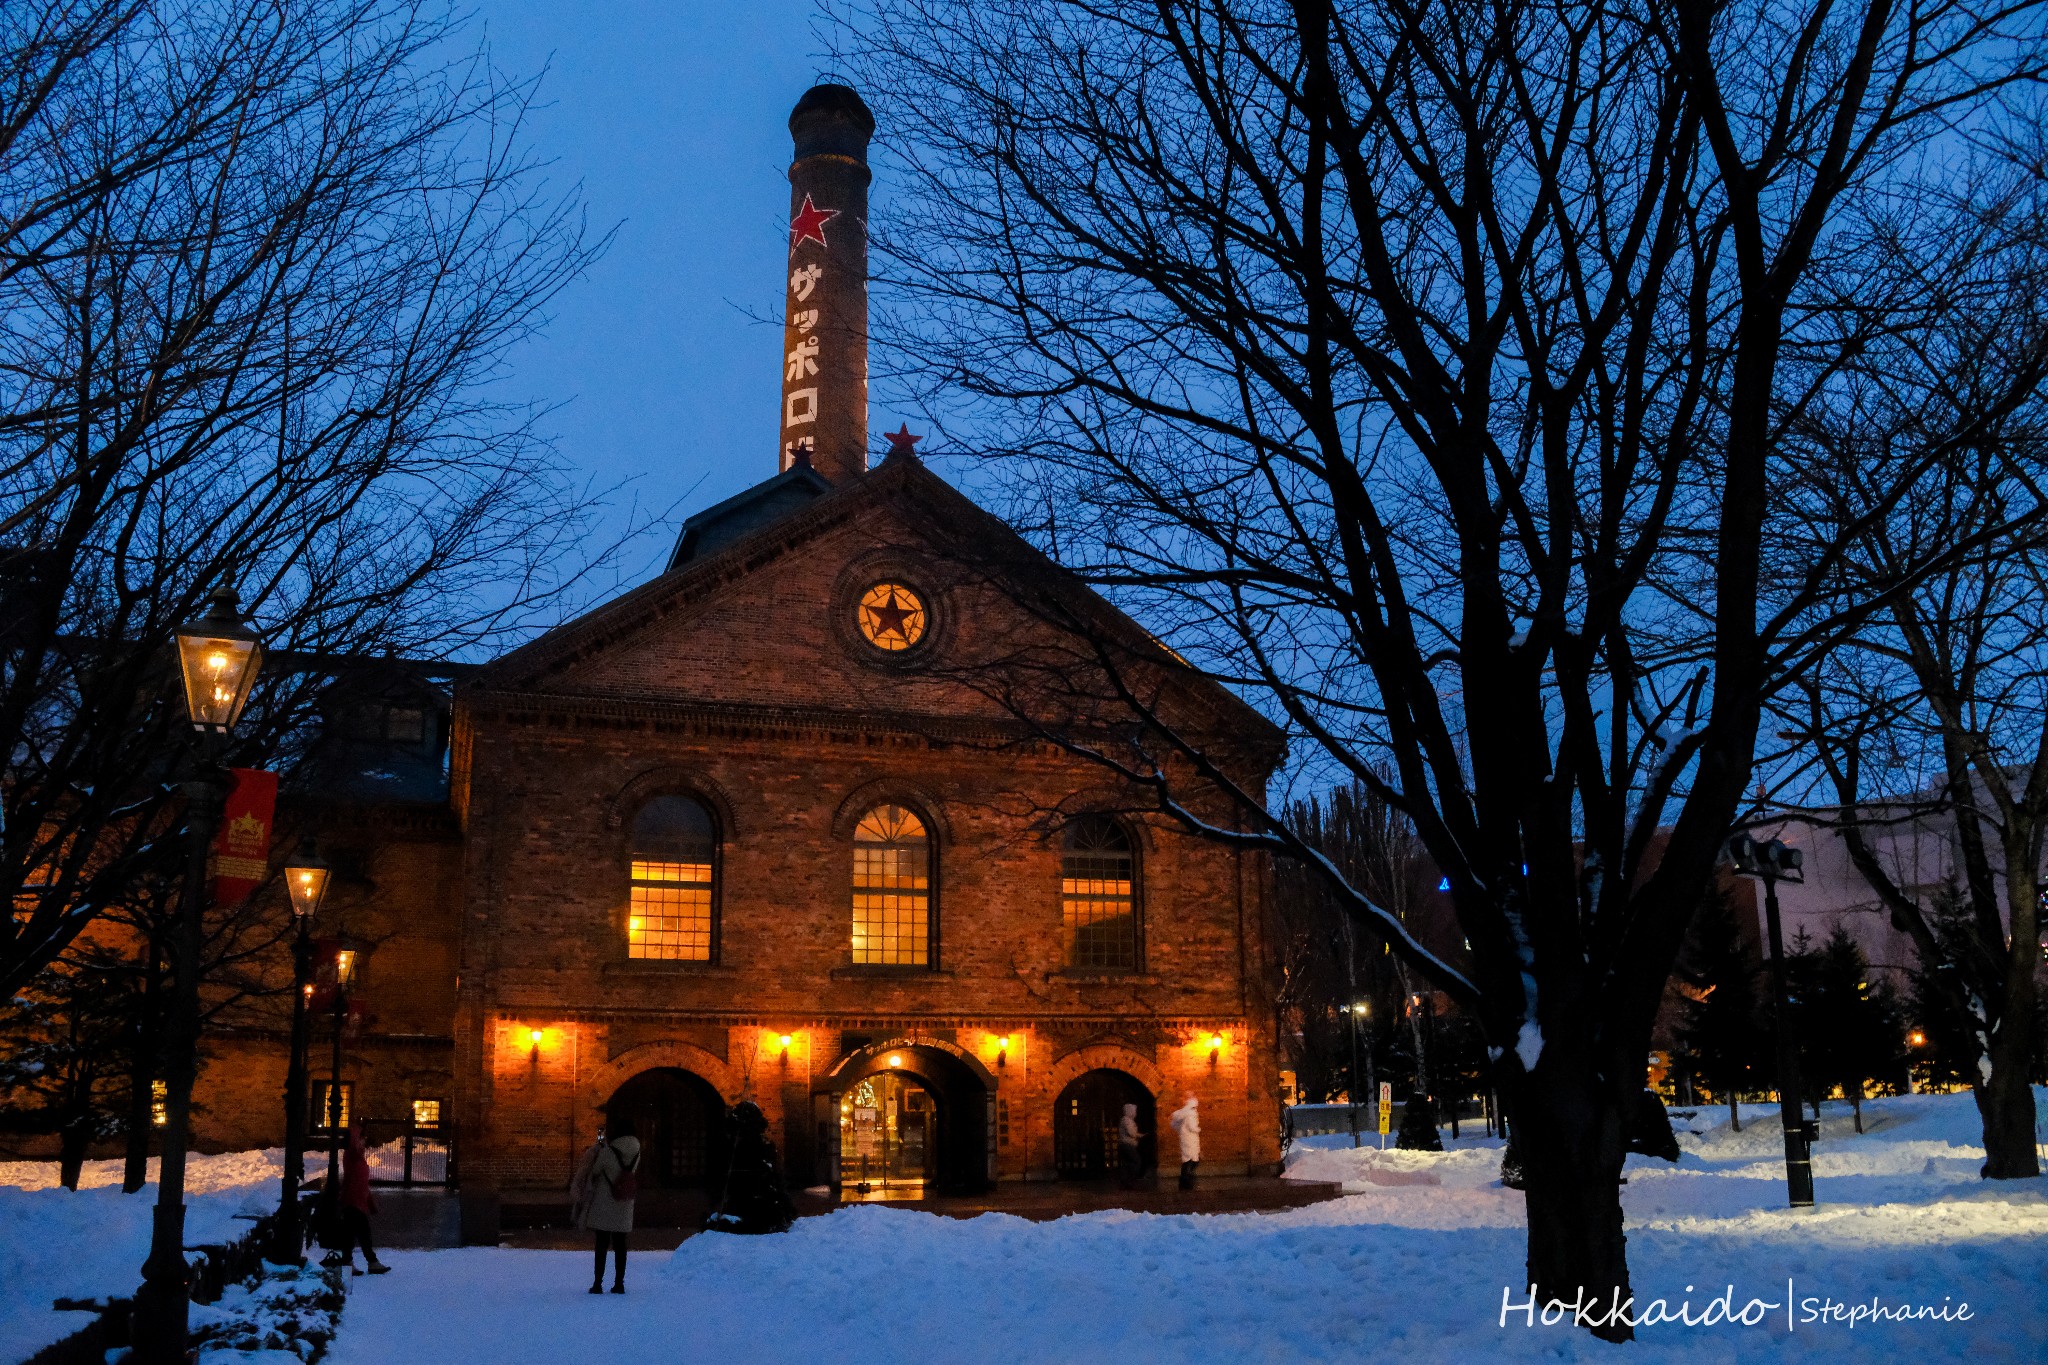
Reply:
x=603, y=1083
x=668, y=780
x=1105, y=1056
x=858, y=1062
x=890, y=791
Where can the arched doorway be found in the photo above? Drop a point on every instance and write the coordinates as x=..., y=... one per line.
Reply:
x=903, y=1120
x=1085, y=1119
x=680, y=1121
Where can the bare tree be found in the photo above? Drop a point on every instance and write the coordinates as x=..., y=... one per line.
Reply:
x=1934, y=725
x=1421, y=368
x=258, y=266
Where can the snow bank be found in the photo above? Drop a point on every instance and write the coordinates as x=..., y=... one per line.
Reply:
x=90, y=1242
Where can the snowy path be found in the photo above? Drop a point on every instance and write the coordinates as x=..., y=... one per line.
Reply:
x=1403, y=1272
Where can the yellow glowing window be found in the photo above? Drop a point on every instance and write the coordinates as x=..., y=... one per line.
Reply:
x=891, y=889
x=323, y=1095
x=891, y=617
x=670, y=908
x=159, y=1103
x=1098, y=904
x=426, y=1113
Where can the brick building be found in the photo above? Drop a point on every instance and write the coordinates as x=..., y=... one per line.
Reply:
x=750, y=831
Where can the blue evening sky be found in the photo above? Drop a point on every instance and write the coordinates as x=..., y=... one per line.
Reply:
x=675, y=119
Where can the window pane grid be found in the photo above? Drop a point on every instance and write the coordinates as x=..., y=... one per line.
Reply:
x=891, y=890
x=670, y=915
x=1096, y=912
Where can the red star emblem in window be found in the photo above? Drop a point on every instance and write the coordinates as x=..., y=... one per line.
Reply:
x=809, y=224
x=890, y=618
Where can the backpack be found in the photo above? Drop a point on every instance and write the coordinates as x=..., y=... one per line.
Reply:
x=627, y=1186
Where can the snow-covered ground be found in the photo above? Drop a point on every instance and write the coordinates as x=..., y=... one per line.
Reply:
x=1413, y=1267
x=85, y=1243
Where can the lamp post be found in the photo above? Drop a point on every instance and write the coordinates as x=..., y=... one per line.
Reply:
x=1771, y=861
x=330, y=1183
x=219, y=657
x=1357, y=1011
x=305, y=877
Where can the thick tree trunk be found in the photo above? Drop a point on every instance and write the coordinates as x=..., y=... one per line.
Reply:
x=1570, y=1131
x=1734, y=1114
x=2006, y=1105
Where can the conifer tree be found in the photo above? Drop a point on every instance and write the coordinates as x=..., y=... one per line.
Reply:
x=1720, y=1037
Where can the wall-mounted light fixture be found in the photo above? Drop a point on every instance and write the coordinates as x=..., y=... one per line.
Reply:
x=536, y=1035
x=895, y=1060
x=784, y=1040
x=1003, y=1050
x=1215, y=1048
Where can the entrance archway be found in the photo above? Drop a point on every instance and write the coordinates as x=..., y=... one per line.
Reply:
x=680, y=1121
x=1085, y=1119
x=942, y=1133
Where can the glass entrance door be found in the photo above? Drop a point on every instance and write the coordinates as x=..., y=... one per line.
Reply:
x=887, y=1137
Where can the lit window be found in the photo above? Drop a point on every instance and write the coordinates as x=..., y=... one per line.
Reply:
x=669, y=914
x=891, y=889
x=1098, y=907
x=891, y=617
x=159, y=1103
x=322, y=1094
x=426, y=1113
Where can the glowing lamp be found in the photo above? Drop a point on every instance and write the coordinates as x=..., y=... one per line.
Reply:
x=784, y=1040
x=219, y=657
x=345, y=966
x=1003, y=1050
x=305, y=878
x=1917, y=1038
x=1215, y=1048
x=895, y=1061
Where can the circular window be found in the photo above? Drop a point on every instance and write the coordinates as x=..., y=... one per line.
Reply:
x=892, y=617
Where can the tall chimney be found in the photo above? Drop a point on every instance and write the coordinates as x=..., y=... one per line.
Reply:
x=825, y=335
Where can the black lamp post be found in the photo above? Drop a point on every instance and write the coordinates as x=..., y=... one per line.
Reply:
x=219, y=657
x=330, y=1184
x=1357, y=1012
x=305, y=877
x=1772, y=862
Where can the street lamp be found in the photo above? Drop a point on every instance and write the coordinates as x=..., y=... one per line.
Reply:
x=305, y=878
x=1772, y=861
x=330, y=1183
x=1358, y=1011
x=219, y=657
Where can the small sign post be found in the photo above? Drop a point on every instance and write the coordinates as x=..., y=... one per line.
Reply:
x=1386, y=1111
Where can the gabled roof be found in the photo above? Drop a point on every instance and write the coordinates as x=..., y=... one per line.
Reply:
x=714, y=528
x=785, y=513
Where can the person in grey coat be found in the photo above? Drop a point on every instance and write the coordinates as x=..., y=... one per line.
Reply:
x=1129, y=1149
x=602, y=1195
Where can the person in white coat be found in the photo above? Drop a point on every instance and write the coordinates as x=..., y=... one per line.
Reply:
x=1187, y=1125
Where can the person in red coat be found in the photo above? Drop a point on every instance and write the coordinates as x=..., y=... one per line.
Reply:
x=356, y=1206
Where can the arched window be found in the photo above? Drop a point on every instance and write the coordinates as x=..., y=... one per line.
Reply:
x=892, y=869
x=1098, y=897
x=672, y=851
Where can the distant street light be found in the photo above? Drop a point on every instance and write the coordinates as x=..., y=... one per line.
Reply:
x=1771, y=862
x=219, y=658
x=305, y=878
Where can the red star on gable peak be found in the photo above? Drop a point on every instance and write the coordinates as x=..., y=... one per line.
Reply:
x=809, y=224
x=901, y=441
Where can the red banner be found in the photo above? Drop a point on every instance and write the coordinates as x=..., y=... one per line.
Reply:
x=241, y=848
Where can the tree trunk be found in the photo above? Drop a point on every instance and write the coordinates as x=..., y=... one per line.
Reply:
x=73, y=1140
x=1569, y=1130
x=2006, y=1105
x=141, y=1076
x=1734, y=1114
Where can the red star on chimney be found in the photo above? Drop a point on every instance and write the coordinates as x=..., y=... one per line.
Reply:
x=901, y=441
x=809, y=224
